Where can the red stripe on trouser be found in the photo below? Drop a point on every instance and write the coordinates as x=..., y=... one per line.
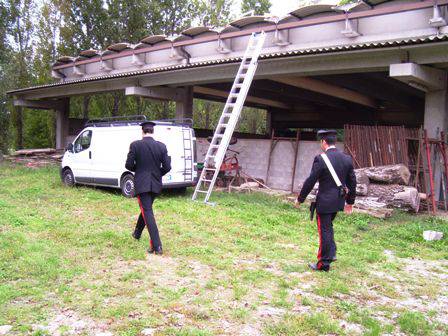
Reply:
x=319, y=253
x=144, y=218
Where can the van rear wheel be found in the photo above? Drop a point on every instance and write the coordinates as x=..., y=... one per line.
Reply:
x=67, y=177
x=128, y=186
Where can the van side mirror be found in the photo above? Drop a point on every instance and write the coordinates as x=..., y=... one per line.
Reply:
x=69, y=147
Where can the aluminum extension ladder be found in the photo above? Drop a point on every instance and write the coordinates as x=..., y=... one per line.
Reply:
x=229, y=117
x=188, y=154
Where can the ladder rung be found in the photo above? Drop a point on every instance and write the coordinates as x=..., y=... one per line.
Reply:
x=209, y=169
x=222, y=125
x=202, y=191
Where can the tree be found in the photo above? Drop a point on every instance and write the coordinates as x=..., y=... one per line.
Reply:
x=260, y=7
x=21, y=31
x=4, y=115
x=173, y=16
x=214, y=13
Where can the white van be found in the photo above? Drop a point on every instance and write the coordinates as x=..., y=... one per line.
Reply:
x=98, y=154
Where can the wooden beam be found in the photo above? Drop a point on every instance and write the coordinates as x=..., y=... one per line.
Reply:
x=250, y=99
x=327, y=89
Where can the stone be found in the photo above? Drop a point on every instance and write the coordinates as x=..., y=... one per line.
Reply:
x=104, y=333
x=148, y=331
x=5, y=329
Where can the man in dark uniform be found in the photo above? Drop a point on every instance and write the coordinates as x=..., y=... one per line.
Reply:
x=331, y=198
x=149, y=160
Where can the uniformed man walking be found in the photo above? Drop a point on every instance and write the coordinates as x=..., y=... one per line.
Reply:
x=149, y=160
x=333, y=170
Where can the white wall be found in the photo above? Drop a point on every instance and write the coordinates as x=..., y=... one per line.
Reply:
x=254, y=155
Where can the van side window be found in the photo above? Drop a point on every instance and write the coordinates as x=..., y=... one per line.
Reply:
x=83, y=141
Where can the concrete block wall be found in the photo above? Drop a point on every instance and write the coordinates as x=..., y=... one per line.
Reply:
x=254, y=154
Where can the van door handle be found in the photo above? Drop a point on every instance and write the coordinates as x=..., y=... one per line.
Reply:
x=90, y=154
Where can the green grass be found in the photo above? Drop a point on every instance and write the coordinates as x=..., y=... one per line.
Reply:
x=70, y=249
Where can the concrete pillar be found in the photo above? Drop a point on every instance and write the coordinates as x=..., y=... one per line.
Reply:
x=62, y=123
x=436, y=120
x=436, y=112
x=184, y=107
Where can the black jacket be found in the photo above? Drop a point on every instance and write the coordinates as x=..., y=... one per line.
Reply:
x=328, y=200
x=149, y=160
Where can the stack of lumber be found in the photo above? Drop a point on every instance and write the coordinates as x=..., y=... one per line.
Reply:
x=36, y=157
x=382, y=189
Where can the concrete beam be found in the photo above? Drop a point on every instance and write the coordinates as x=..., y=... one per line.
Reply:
x=158, y=93
x=250, y=99
x=327, y=89
x=419, y=76
x=39, y=104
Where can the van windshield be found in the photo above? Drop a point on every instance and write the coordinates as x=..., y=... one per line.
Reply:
x=83, y=141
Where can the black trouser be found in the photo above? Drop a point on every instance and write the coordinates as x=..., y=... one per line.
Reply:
x=147, y=219
x=327, y=245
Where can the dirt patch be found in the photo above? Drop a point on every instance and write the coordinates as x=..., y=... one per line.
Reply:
x=67, y=321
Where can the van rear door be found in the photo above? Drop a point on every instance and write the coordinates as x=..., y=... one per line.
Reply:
x=171, y=136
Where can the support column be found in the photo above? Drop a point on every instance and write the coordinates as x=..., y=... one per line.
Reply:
x=436, y=112
x=435, y=121
x=62, y=123
x=184, y=106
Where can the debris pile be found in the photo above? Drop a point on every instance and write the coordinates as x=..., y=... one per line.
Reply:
x=382, y=189
x=34, y=158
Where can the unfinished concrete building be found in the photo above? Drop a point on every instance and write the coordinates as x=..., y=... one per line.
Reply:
x=374, y=62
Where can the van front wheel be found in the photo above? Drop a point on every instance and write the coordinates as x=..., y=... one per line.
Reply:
x=128, y=186
x=68, y=178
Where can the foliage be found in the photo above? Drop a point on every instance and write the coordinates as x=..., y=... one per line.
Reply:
x=260, y=7
x=34, y=34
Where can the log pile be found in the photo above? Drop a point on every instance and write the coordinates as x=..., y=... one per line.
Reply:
x=382, y=189
x=34, y=158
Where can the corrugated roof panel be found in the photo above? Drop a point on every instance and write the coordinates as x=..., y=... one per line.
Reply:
x=303, y=12
x=141, y=45
x=89, y=53
x=194, y=31
x=247, y=20
x=153, y=39
x=66, y=59
x=178, y=38
x=120, y=46
x=226, y=29
x=375, y=2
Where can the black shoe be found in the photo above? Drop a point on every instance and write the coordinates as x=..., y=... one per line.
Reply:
x=158, y=250
x=134, y=235
x=315, y=267
x=334, y=259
